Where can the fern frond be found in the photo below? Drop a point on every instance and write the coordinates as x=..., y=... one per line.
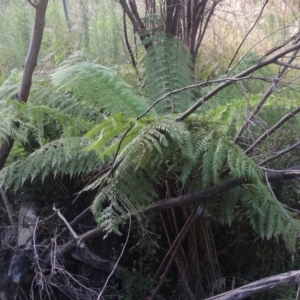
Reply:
x=228, y=205
x=98, y=85
x=56, y=158
x=167, y=67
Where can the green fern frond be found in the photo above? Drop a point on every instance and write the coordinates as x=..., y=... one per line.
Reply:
x=56, y=158
x=162, y=147
x=95, y=84
x=228, y=205
x=167, y=67
x=9, y=88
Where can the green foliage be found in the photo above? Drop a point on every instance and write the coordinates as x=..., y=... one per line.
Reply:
x=52, y=124
x=73, y=119
x=164, y=148
x=243, y=89
x=59, y=157
x=167, y=67
x=93, y=83
x=15, y=28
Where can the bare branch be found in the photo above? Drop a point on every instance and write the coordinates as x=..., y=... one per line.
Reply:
x=245, y=37
x=287, y=65
x=32, y=4
x=66, y=222
x=244, y=73
x=280, y=205
x=268, y=283
x=202, y=83
x=266, y=96
x=280, y=153
x=271, y=130
x=203, y=195
x=8, y=209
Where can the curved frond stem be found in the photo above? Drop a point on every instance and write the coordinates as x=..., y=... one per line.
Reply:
x=114, y=165
x=120, y=256
x=198, y=211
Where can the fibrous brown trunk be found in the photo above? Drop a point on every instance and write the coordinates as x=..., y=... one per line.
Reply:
x=186, y=20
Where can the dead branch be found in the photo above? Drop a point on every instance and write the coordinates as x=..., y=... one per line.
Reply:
x=231, y=80
x=296, y=145
x=8, y=209
x=88, y=257
x=259, y=65
x=245, y=37
x=66, y=223
x=271, y=130
x=175, y=248
x=287, y=65
x=203, y=195
x=268, y=283
x=266, y=95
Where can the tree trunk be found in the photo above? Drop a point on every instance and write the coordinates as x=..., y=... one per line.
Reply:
x=30, y=64
x=67, y=15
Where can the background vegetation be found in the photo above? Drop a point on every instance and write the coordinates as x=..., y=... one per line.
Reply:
x=104, y=132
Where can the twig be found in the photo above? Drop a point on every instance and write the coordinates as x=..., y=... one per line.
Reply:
x=34, y=246
x=66, y=222
x=268, y=132
x=8, y=209
x=244, y=73
x=287, y=65
x=245, y=37
x=202, y=83
x=266, y=96
x=32, y=4
x=122, y=252
x=280, y=153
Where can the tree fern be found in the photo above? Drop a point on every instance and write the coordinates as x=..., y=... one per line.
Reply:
x=52, y=124
x=164, y=148
x=67, y=138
